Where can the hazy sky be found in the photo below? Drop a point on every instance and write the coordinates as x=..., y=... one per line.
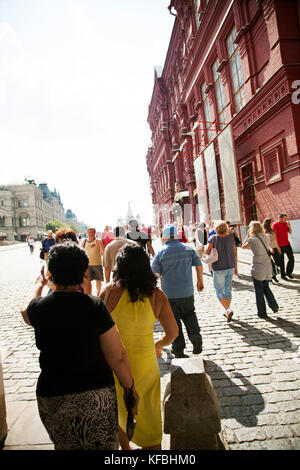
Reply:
x=76, y=79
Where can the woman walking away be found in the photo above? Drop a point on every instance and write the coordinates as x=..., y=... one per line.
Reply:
x=31, y=244
x=225, y=267
x=79, y=347
x=135, y=305
x=261, y=268
x=274, y=247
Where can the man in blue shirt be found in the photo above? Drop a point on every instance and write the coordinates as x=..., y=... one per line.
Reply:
x=47, y=244
x=174, y=263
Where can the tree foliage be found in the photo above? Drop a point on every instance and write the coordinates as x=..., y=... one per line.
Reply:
x=54, y=224
x=73, y=227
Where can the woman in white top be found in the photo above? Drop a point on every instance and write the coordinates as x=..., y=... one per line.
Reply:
x=261, y=268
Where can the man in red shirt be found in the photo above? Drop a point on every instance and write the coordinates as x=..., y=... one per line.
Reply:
x=282, y=229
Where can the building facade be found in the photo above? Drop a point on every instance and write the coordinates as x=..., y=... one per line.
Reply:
x=71, y=220
x=225, y=112
x=26, y=208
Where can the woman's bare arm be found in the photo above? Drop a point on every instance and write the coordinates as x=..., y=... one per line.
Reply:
x=116, y=357
x=208, y=249
x=167, y=320
x=245, y=243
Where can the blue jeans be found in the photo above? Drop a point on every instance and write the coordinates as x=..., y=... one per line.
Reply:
x=223, y=283
x=262, y=291
x=184, y=311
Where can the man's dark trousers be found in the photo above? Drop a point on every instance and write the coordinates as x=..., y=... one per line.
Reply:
x=184, y=310
x=290, y=265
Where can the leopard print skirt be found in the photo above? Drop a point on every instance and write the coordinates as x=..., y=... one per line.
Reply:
x=81, y=421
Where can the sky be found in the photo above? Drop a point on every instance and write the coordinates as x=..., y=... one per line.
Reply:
x=76, y=80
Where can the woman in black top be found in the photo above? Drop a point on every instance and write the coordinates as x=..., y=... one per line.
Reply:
x=79, y=347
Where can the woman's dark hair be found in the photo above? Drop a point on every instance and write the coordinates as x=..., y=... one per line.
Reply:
x=267, y=226
x=133, y=272
x=67, y=264
x=65, y=234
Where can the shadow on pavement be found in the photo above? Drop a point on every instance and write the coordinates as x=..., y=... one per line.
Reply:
x=238, y=286
x=238, y=283
x=164, y=365
x=244, y=277
x=238, y=397
x=266, y=339
x=292, y=285
x=286, y=325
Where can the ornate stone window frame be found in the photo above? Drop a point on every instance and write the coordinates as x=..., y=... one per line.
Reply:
x=272, y=162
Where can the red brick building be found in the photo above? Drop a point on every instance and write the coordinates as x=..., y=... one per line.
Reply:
x=225, y=113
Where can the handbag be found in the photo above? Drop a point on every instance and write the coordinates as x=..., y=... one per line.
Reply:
x=130, y=423
x=275, y=268
x=212, y=257
x=42, y=254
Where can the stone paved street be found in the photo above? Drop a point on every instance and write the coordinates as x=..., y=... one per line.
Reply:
x=254, y=364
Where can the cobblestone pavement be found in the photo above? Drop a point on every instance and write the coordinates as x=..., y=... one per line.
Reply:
x=254, y=364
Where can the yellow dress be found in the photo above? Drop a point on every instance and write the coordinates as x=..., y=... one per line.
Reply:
x=135, y=322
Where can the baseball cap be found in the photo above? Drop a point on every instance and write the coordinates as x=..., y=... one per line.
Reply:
x=169, y=231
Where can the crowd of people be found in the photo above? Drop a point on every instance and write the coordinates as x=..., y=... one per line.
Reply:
x=99, y=386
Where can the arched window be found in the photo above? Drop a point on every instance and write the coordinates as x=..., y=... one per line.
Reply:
x=24, y=220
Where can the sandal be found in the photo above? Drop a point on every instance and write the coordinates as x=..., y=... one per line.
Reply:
x=228, y=316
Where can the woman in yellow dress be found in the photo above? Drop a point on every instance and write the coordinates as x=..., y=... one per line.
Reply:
x=135, y=304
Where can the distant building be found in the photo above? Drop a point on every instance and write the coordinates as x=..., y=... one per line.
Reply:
x=26, y=208
x=129, y=214
x=123, y=221
x=225, y=114
x=71, y=219
x=120, y=221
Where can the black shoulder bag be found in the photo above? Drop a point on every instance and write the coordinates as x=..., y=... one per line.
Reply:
x=275, y=269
